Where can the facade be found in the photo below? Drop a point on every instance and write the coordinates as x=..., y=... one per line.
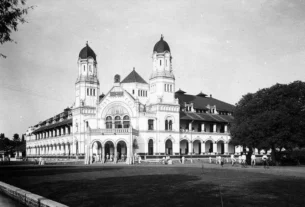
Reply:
x=135, y=116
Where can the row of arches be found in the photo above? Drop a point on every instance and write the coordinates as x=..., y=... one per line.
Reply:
x=64, y=149
x=198, y=147
x=109, y=151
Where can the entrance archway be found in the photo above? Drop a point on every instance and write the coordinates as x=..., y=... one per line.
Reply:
x=96, y=151
x=109, y=151
x=121, y=151
x=209, y=146
x=197, y=147
x=150, y=147
x=184, y=147
x=220, y=147
x=169, y=147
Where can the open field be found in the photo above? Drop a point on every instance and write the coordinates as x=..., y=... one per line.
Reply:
x=179, y=185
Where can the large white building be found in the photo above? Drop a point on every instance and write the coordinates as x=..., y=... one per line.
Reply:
x=135, y=116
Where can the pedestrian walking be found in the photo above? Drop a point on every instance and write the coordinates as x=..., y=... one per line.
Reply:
x=253, y=160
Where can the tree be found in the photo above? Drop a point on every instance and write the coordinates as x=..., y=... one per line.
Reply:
x=271, y=118
x=11, y=14
x=16, y=138
x=2, y=136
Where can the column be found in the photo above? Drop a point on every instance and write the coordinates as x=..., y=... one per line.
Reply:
x=103, y=153
x=226, y=147
x=115, y=154
x=215, y=147
x=62, y=131
x=202, y=127
x=202, y=148
x=190, y=126
x=214, y=127
x=58, y=132
x=226, y=128
x=54, y=132
x=190, y=148
x=70, y=129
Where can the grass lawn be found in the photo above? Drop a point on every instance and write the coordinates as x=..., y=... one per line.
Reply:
x=99, y=185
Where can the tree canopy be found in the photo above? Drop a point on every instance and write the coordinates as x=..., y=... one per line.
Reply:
x=271, y=118
x=11, y=14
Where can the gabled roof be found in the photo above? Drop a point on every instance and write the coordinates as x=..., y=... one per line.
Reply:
x=202, y=94
x=200, y=102
x=206, y=117
x=134, y=77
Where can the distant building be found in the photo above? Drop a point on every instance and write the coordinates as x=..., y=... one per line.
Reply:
x=135, y=116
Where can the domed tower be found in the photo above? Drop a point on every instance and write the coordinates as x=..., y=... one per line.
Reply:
x=162, y=79
x=87, y=84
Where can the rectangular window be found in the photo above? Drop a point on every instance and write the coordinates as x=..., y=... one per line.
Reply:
x=138, y=92
x=150, y=124
x=171, y=88
x=87, y=91
x=132, y=91
x=164, y=87
x=93, y=92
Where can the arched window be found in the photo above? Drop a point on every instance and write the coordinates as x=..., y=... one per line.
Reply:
x=170, y=125
x=108, y=122
x=126, y=121
x=166, y=124
x=160, y=62
x=117, y=122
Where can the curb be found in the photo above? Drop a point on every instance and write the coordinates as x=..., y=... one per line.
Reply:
x=27, y=198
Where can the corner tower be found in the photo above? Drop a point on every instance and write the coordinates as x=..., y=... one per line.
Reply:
x=162, y=79
x=87, y=84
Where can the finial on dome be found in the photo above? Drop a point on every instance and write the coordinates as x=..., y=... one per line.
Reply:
x=133, y=68
x=86, y=43
x=162, y=36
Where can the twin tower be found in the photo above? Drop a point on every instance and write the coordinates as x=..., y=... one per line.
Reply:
x=161, y=82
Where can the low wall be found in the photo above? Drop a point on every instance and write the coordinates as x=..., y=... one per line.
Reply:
x=27, y=198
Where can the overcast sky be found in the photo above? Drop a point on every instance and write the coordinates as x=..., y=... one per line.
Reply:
x=224, y=48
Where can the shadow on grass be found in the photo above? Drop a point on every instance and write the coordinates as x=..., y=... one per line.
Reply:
x=7, y=173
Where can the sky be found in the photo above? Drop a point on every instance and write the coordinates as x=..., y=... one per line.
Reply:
x=225, y=48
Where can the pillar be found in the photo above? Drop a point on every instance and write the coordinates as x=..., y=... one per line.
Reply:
x=226, y=147
x=202, y=127
x=226, y=128
x=62, y=131
x=115, y=154
x=190, y=148
x=215, y=147
x=103, y=153
x=58, y=132
x=202, y=148
x=67, y=149
x=214, y=128
x=190, y=126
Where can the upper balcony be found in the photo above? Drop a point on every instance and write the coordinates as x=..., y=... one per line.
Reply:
x=115, y=131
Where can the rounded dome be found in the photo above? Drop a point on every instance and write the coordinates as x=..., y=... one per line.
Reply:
x=87, y=52
x=161, y=46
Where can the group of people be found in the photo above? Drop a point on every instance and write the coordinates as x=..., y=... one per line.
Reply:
x=242, y=160
x=111, y=157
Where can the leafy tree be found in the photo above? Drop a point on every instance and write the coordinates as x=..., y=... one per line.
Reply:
x=11, y=14
x=16, y=138
x=2, y=136
x=271, y=118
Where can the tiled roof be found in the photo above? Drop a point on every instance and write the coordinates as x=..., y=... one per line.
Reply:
x=52, y=126
x=134, y=77
x=206, y=117
x=200, y=102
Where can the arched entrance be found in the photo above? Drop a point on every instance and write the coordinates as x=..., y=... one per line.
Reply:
x=220, y=147
x=96, y=151
x=168, y=147
x=184, y=147
x=121, y=151
x=150, y=147
x=109, y=151
x=197, y=147
x=209, y=146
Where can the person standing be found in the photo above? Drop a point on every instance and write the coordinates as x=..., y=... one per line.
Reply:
x=233, y=160
x=265, y=158
x=243, y=160
x=253, y=160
